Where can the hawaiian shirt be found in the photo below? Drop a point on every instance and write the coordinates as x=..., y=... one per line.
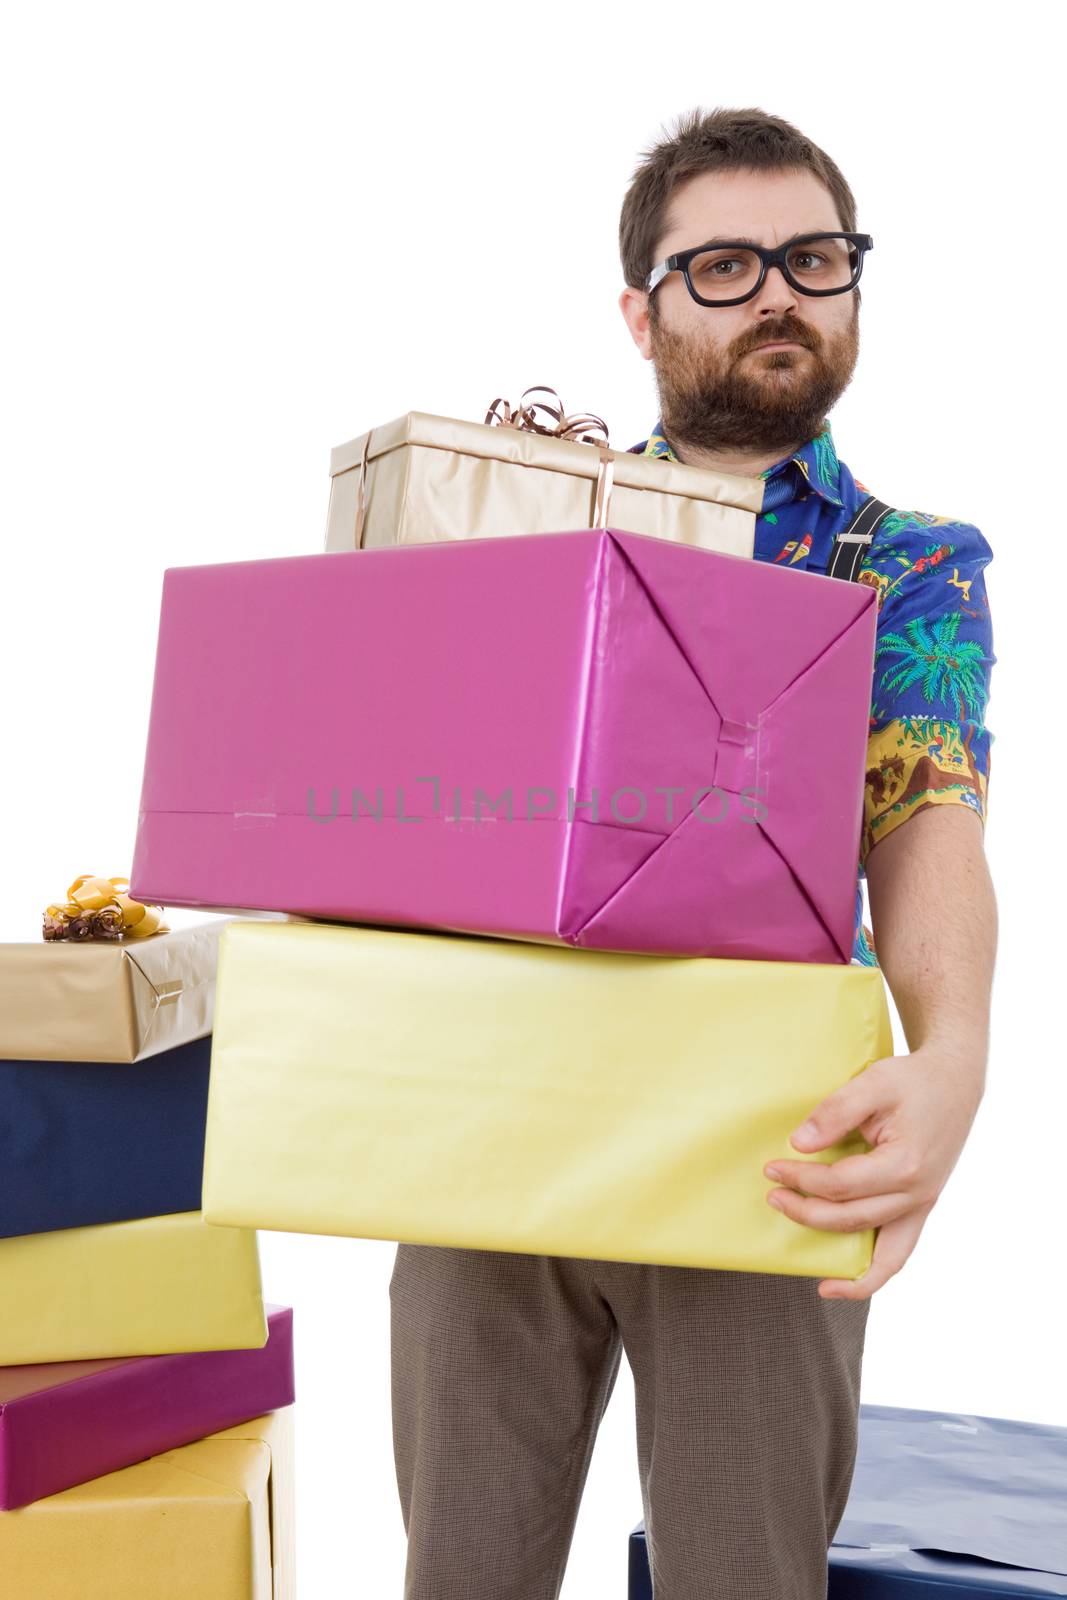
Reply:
x=928, y=742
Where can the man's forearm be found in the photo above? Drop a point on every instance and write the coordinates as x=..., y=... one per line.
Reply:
x=934, y=919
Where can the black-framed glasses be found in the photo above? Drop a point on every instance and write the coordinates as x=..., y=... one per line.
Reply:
x=724, y=272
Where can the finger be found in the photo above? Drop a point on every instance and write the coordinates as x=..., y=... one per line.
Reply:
x=849, y=1216
x=882, y=1170
x=848, y=1107
x=893, y=1245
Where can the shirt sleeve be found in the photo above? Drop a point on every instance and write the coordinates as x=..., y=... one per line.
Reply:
x=928, y=742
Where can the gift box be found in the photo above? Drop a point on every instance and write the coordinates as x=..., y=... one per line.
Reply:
x=90, y=1142
x=942, y=1505
x=481, y=1093
x=425, y=478
x=107, y=999
x=152, y=1286
x=65, y=1422
x=214, y=1520
x=593, y=738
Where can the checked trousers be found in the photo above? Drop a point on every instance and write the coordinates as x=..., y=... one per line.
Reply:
x=747, y=1411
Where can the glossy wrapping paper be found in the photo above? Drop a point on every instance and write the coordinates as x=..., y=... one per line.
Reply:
x=430, y=478
x=87, y=1142
x=498, y=1095
x=107, y=1000
x=152, y=1286
x=943, y=1505
x=213, y=1520
x=593, y=738
x=64, y=1422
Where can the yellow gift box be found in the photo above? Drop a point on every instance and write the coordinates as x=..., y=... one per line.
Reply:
x=107, y=1000
x=423, y=478
x=154, y=1286
x=212, y=1520
x=454, y=1090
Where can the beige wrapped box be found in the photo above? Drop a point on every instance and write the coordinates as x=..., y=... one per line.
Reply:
x=426, y=479
x=107, y=1000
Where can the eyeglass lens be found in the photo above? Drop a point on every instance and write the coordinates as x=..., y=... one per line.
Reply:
x=724, y=273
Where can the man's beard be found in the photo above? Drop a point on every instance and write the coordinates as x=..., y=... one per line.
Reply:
x=712, y=399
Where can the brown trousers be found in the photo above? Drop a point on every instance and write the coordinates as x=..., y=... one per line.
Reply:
x=747, y=1399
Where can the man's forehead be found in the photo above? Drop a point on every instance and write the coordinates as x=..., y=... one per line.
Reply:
x=766, y=207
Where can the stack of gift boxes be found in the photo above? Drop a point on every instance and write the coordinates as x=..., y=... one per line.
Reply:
x=146, y=1390
x=533, y=757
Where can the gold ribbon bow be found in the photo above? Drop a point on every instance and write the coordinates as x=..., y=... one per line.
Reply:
x=97, y=908
x=582, y=427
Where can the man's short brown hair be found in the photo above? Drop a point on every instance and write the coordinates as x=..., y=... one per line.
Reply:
x=723, y=140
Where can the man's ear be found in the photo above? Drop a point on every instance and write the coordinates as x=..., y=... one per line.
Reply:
x=634, y=305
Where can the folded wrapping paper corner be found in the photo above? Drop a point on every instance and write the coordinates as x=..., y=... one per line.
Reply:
x=66, y=1422
x=491, y=1094
x=213, y=1519
x=631, y=668
x=106, y=1001
x=152, y=1286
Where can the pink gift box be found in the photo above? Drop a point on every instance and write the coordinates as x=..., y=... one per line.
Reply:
x=65, y=1422
x=597, y=738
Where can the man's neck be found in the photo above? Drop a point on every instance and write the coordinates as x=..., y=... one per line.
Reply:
x=735, y=463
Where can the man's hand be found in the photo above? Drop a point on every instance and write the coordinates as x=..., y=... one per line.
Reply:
x=916, y=1111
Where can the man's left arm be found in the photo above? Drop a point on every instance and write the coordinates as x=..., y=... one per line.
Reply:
x=933, y=911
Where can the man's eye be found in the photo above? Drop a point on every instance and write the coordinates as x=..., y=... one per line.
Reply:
x=711, y=268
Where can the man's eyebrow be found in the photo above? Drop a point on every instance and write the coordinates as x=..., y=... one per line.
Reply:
x=730, y=238
x=738, y=238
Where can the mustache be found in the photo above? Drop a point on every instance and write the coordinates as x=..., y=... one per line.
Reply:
x=768, y=335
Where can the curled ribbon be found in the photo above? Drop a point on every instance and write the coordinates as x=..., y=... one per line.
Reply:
x=582, y=427
x=98, y=908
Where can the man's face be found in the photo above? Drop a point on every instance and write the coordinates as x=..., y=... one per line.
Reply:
x=717, y=388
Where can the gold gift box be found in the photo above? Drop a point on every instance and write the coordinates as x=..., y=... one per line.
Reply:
x=491, y=1094
x=152, y=1286
x=428, y=479
x=106, y=999
x=213, y=1520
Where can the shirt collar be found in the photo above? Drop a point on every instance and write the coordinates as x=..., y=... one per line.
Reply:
x=816, y=461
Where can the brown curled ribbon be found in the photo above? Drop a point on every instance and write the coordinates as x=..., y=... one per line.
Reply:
x=581, y=428
x=99, y=908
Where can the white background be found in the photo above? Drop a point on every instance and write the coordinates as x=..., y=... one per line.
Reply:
x=238, y=235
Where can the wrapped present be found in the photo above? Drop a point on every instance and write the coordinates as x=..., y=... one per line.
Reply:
x=425, y=478
x=593, y=738
x=65, y=1422
x=107, y=1000
x=212, y=1520
x=942, y=1506
x=153, y=1286
x=501, y=1095
x=89, y=1142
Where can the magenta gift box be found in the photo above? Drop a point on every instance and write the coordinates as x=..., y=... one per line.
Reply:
x=599, y=738
x=65, y=1422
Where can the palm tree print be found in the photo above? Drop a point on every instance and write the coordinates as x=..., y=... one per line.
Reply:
x=946, y=667
x=826, y=463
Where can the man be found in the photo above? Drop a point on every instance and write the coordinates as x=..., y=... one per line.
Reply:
x=746, y=1384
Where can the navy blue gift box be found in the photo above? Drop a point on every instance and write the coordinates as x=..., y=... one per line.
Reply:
x=942, y=1505
x=84, y=1142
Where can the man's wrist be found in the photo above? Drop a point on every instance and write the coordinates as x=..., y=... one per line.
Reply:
x=964, y=1052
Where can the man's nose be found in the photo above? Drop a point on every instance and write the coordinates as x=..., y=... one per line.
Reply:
x=776, y=294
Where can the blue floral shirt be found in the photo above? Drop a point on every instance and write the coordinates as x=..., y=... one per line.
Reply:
x=928, y=741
